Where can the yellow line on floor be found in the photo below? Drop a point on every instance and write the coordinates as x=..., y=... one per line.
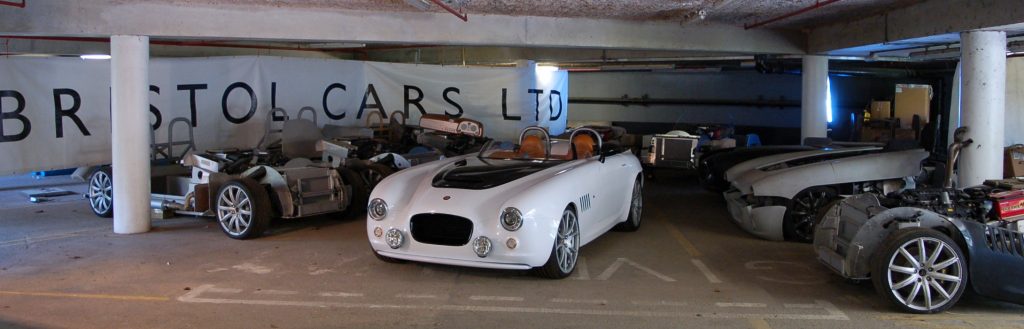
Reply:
x=687, y=245
x=88, y=296
x=759, y=324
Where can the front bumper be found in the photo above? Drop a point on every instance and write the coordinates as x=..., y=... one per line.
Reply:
x=763, y=221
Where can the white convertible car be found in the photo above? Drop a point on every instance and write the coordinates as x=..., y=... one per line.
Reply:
x=528, y=205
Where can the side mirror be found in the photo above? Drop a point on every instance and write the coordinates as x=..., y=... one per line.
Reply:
x=607, y=150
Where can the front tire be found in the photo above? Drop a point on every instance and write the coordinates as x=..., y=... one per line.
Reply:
x=802, y=215
x=101, y=192
x=566, y=248
x=920, y=271
x=636, y=209
x=243, y=209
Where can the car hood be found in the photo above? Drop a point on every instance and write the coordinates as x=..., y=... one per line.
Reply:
x=474, y=173
x=743, y=167
x=786, y=182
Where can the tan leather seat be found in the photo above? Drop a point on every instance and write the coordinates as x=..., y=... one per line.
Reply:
x=532, y=147
x=583, y=145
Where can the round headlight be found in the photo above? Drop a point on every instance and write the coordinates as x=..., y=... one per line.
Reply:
x=394, y=238
x=511, y=219
x=377, y=209
x=482, y=246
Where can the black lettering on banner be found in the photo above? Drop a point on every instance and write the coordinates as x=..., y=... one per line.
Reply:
x=26, y=126
x=273, y=95
x=252, y=103
x=192, y=99
x=154, y=110
x=504, y=107
x=376, y=103
x=450, y=101
x=327, y=110
x=59, y=112
x=551, y=105
x=536, y=108
x=411, y=101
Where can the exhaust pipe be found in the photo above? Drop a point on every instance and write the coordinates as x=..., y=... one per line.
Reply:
x=954, y=154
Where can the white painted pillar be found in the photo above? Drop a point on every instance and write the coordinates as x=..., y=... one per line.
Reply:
x=129, y=82
x=813, y=122
x=982, y=105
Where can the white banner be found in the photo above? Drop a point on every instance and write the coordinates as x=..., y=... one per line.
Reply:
x=55, y=112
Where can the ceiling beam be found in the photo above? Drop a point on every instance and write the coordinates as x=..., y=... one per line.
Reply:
x=210, y=20
x=924, y=19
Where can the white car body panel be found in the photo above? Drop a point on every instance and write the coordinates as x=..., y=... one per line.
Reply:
x=743, y=167
x=541, y=197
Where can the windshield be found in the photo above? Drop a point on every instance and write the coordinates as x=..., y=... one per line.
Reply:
x=505, y=150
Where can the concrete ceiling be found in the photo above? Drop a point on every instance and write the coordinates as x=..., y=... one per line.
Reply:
x=731, y=12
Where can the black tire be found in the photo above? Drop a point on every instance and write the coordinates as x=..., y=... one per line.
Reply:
x=802, y=214
x=561, y=265
x=101, y=192
x=636, y=209
x=374, y=173
x=234, y=199
x=360, y=193
x=890, y=267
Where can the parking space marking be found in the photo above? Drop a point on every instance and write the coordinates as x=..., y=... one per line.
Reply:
x=414, y=296
x=678, y=235
x=49, y=237
x=582, y=271
x=658, y=303
x=339, y=294
x=196, y=296
x=579, y=301
x=750, y=305
x=277, y=292
x=86, y=296
x=225, y=290
x=800, y=305
x=706, y=271
x=497, y=298
x=759, y=324
x=618, y=263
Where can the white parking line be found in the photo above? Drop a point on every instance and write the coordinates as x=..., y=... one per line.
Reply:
x=658, y=303
x=579, y=301
x=413, y=296
x=704, y=269
x=195, y=296
x=339, y=294
x=751, y=305
x=277, y=292
x=224, y=290
x=497, y=298
x=801, y=305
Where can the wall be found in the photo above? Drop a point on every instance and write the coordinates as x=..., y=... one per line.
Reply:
x=1014, y=100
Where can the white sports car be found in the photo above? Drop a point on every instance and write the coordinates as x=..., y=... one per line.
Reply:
x=529, y=205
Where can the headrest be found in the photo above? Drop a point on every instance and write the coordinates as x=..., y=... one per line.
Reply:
x=584, y=145
x=532, y=147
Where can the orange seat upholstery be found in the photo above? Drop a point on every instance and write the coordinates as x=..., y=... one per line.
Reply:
x=532, y=147
x=584, y=145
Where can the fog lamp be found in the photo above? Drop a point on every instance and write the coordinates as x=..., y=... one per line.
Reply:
x=377, y=231
x=511, y=219
x=377, y=209
x=482, y=246
x=511, y=243
x=394, y=238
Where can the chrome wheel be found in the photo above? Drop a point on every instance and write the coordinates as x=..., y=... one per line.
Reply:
x=802, y=215
x=234, y=210
x=925, y=274
x=567, y=242
x=101, y=196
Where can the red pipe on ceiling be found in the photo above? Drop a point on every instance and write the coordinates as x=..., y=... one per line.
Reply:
x=464, y=17
x=14, y=4
x=816, y=5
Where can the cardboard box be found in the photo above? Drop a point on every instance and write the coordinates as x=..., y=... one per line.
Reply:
x=911, y=100
x=881, y=110
x=1013, y=161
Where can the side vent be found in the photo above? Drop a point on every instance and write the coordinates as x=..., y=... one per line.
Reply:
x=585, y=202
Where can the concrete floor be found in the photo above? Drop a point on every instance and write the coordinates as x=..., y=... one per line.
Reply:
x=688, y=266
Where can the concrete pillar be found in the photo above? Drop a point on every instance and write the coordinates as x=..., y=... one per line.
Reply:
x=982, y=105
x=129, y=82
x=813, y=122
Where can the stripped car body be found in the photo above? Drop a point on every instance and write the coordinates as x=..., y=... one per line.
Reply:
x=780, y=195
x=454, y=211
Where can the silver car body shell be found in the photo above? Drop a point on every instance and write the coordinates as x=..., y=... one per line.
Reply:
x=766, y=221
x=743, y=167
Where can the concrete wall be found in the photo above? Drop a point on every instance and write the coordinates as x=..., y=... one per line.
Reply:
x=1014, y=100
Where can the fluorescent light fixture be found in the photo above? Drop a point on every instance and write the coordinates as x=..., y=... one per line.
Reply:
x=828, y=100
x=95, y=56
x=546, y=68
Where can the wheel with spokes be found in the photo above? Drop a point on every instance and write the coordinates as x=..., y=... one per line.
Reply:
x=566, y=248
x=374, y=173
x=920, y=271
x=802, y=215
x=101, y=192
x=243, y=208
x=636, y=208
